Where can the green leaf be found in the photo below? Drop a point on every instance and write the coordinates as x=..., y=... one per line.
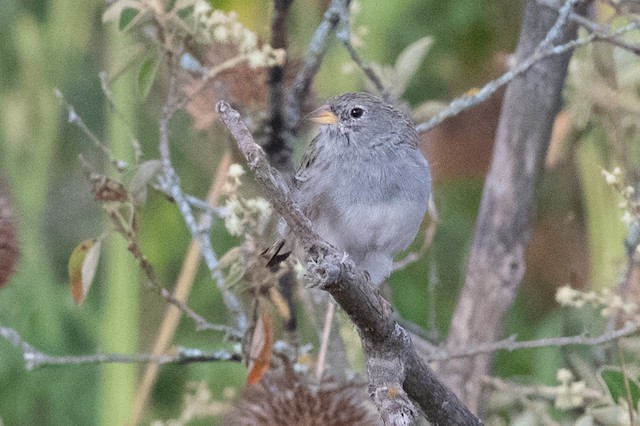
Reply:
x=408, y=62
x=147, y=75
x=83, y=264
x=128, y=14
x=183, y=4
x=126, y=17
x=115, y=11
x=236, y=273
x=614, y=381
x=125, y=61
x=145, y=173
x=604, y=229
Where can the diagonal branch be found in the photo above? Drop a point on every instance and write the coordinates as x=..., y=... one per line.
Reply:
x=171, y=183
x=465, y=102
x=301, y=87
x=344, y=35
x=397, y=376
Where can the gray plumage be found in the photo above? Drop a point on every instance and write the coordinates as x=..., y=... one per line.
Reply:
x=363, y=181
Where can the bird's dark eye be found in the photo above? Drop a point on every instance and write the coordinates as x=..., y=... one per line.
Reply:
x=356, y=112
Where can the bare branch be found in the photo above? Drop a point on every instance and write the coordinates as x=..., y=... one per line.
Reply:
x=344, y=35
x=468, y=101
x=550, y=392
x=510, y=344
x=76, y=120
x=180, y=291
x=278, y=147
x=556, y=31
x=152, y=282
x=35, y=359
x=127, y=229
x=171, y=183
x=315, y=52
x=603, y=33
x=195, y=202
x=496, y=261
x=397, y=375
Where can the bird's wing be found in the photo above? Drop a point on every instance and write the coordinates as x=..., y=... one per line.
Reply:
x=278, y=252
x=306, y=170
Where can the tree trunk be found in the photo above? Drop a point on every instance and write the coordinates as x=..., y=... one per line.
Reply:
x=496, y=262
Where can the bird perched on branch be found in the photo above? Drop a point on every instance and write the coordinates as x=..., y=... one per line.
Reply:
x=363, y=182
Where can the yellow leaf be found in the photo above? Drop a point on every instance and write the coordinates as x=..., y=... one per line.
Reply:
x=261, y=348
x=280, y=302
x=83, y=263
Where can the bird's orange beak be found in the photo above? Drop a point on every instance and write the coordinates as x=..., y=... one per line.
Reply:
x=323, y=115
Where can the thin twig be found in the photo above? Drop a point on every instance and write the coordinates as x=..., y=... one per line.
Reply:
x=408, y=259
x=181, y=291
x=344, y=35
x=554, y=32
x=35, y=359
x=468, y=101
x=510, y=344
x=124, y=229
x=76, y=120
x=315, y=52
x=603, y=33
x=324, y=340
x=172, y=184
x=153, y=283
x=195, y=202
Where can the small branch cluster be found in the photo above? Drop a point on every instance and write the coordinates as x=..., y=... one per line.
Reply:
x=119, y=202
x=545, y=50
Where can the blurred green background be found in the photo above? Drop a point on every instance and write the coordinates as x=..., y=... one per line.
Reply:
x=63, y=44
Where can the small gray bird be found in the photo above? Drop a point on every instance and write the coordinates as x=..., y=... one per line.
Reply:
x=363, y=182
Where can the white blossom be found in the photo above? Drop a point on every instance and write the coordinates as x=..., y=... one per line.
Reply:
x=220, y=33
x=256, y=59
x=564, y=375
x=249, y=41
x=627, y=218
x=235, y=170
x=565, y=295
x=570, y=394
x=610, y=178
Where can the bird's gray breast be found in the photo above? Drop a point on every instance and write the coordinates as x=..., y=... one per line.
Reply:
x=370, y=200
